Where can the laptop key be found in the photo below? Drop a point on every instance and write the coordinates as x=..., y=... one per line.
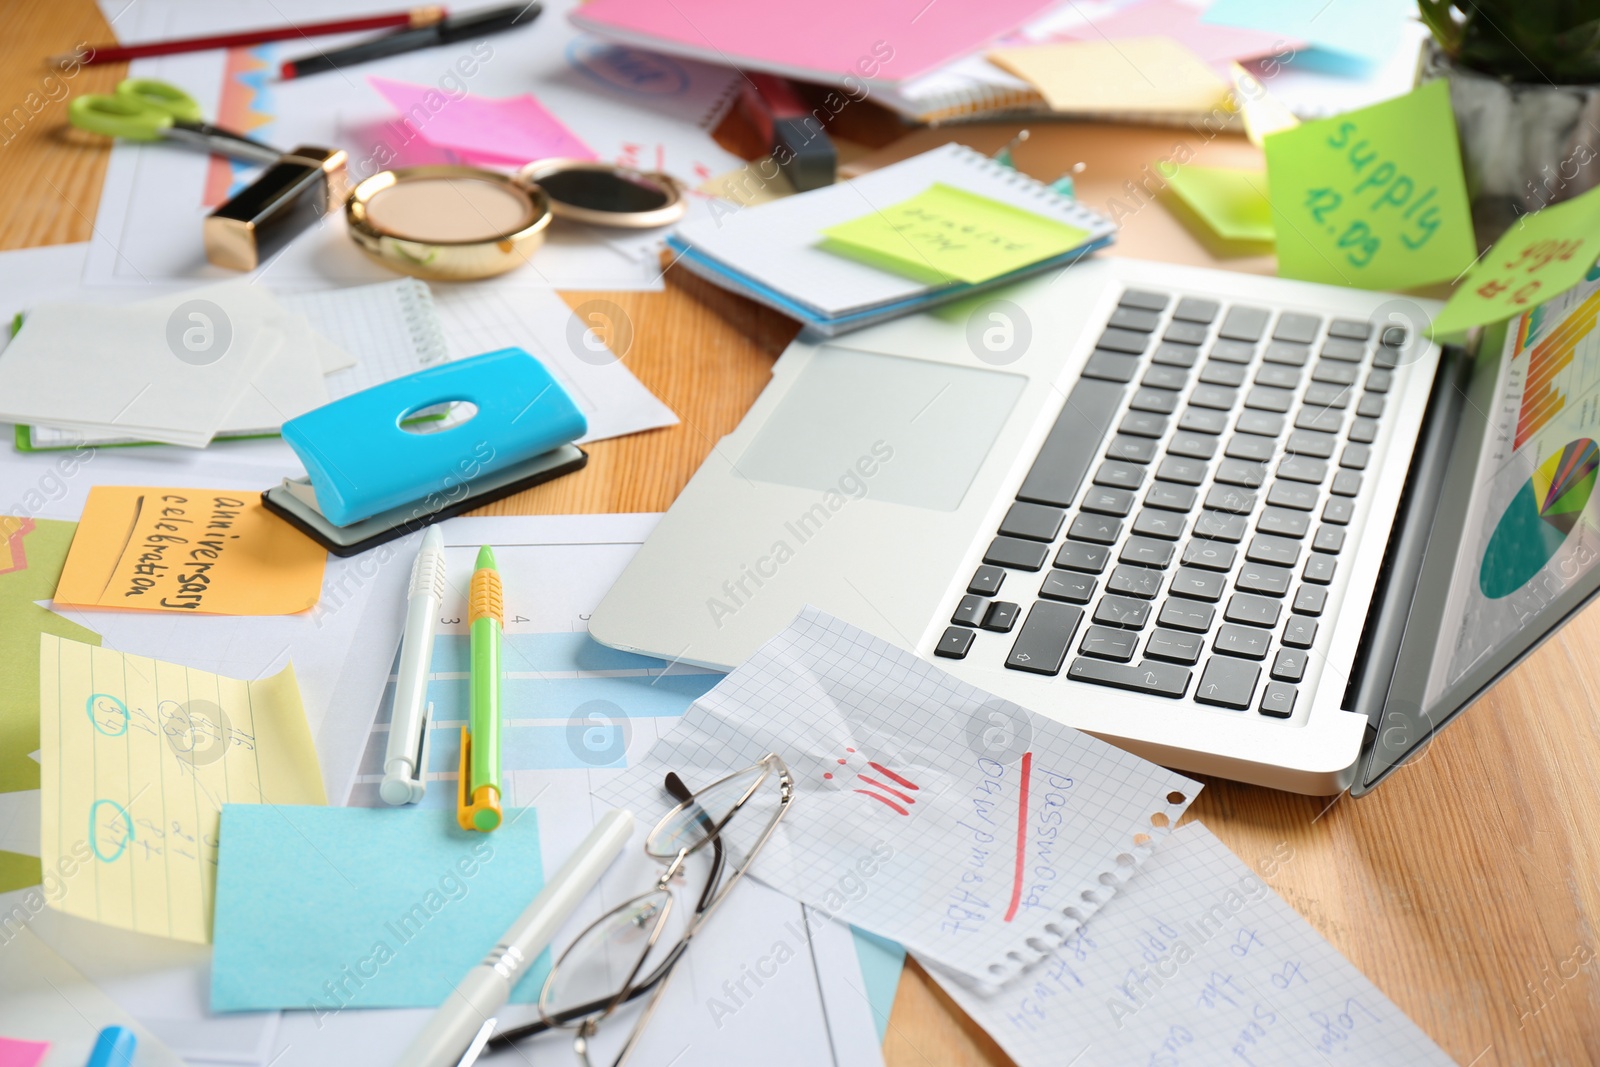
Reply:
x=1032, y=522
x=1046, y=634
x=1295, y=495
x=1231, y=498
x=1198, y=584
x=1170, y=496
x=1214, y=396
x=1111, y=366
x=1188, y=333
x=1072, y=444
x=1283, y=521
x=1181, y=614
x=1143, y=424
x=1196, y=309
x=1241, y=472
x=1131, y=449
x=1323, y=395
x=1329, y=539
x=1096, y=529
x=1160, y=401
x=1212, y=555
x=954, y=643
x=1343, y=349
x=1338, y=510
x=1132, y=318
x=1109, y=642
x=1311, y=443
x=1346, y=483
x=1144, y=299
x=1335, y=373
x=1220, y=526
x=1216, y=372
x=1246, y=641
x=1319, y=569
x=1277, y=700
x=1126, y=612
x=1174, y=646
x=1262, y=423
x=1107, y=501
x=1227, y=683
x=1299, y=631
x=1355, y=457
x=986, y=580
x=1193, y=445
x=1203, y=420
x=1353, y=329
x=1323, y=420
x=969, y=611
x=1134, y=581
x=1252, y=609
x=1118, y=475
x=1290, y=355
x=1232, y=351
x=1264, y=578
x=1364, y=431
x=1015, y=552
x=1162, y=524
x=1070, y=586
x=1301, y=469
x=1159, y=377
x=1310, y=600
x=1146, y=552
x=1244, y=323
x=1157, y=679
x=1380, y=381
x=1181, y=469
x=1279, y=551
x=1173, y=355
x=1278, y=376
x=1289, y=665
x=1249, y=446
x=1266, y=398
x=1077, y=556
x=1129, y=341
x=1293, y=326
x=1002, y=616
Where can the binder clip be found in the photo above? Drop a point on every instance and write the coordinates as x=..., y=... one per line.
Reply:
x=375, y=472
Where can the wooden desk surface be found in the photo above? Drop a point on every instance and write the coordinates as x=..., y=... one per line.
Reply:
x=1463, y=887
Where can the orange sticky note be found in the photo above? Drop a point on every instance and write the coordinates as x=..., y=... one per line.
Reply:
x=194, y=551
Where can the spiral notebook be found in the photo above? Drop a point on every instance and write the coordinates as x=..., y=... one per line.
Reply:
x=390, y=328
x=770, y=252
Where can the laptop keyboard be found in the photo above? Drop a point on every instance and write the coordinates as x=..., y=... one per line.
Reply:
x=1180, y=526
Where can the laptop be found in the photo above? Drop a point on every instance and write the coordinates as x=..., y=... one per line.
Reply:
x=1248, y=527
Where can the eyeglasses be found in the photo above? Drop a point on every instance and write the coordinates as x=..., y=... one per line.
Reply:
x=631, y=950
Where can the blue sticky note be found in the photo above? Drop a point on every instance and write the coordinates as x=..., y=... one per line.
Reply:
x=327, y=908
x=1366, y=28
x=881, y=962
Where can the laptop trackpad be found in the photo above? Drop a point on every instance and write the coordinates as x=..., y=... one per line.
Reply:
x=905, y=431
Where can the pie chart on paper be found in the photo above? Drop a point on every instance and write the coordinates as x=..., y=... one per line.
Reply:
x=1537, y=521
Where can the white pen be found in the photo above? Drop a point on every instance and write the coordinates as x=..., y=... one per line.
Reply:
x=405, y=764
x=469, y=1009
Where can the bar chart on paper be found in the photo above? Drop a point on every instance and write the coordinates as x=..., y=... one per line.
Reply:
x=1549, y=366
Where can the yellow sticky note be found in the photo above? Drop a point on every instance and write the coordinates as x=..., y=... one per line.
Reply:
x=1232, y=202
x=1263, y=113
x=137, y=757
x=946, y=234
x=196, y=551
x=1150, y=74
x=1373, y=198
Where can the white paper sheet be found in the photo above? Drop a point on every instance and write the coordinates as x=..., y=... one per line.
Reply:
x=1196, y=960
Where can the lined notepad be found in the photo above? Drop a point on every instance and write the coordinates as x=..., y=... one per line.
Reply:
x=137, y=757
x=1196, y=960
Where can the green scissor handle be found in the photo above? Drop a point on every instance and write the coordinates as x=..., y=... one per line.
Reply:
x=141, y=109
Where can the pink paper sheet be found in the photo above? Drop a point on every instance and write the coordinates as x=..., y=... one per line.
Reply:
x=497, y=132
x=15, y=1053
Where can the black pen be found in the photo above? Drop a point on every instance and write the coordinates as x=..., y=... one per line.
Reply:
x=445, y=31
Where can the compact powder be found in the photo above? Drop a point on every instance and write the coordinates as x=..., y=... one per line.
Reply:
x=450, y=210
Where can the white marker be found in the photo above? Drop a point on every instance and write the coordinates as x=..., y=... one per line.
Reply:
x=469, y=1008
x=405, y=764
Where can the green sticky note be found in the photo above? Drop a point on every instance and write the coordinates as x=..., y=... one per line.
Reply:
x=945, y=234
x=1374, y=198
x=1542, y=256
x=1232, y=202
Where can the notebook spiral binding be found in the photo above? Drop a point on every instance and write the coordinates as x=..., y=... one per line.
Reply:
x=1035, y=188
x=422, y=322
x=719, y=107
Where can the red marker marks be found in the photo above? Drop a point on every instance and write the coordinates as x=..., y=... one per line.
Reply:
x=1022, y=837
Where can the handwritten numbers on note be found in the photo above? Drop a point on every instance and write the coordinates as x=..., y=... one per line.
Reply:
x=1243, y=942
x=109, y=827
x=1288, y=975
x=109, y=715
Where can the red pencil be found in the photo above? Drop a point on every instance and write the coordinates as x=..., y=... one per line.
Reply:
x=415, y=18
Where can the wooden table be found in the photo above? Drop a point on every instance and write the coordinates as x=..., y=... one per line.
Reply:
x=1462, y=887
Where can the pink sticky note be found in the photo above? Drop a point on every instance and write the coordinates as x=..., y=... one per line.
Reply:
x=15, y=1053
x=1216, y=44
x=508, y=131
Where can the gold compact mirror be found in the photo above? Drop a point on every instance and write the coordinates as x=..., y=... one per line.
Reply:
x=603, y=194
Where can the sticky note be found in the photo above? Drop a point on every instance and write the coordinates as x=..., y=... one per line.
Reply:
x=1543, y=255
x=1148, y=74
x=1232, y=202
x=946, y=234
x=515, y=129
x=1373, y=198
x=1369, y=29
x=1263, y=113
x=193, y=551
x=1181, y=22
x=333, y=908
x=137, y=758
x=15, y=1053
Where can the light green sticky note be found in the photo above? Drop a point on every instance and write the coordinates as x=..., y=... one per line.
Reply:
x=946, y=234
x=1232, y=202
x=1542, y=256
x=1374, y=198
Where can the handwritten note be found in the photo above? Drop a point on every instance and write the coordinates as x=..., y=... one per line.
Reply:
x=1543, y=255
x=946, y=234
x=1134, y=74
x=480, y=129
x=1196, y=961
x=197, y=551
x=137, y=758
x=1233, y=203
x=1373, y=199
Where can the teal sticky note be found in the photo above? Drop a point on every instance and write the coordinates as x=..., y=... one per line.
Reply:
x=326, y=908
x=881, y=962
x=1366, y=28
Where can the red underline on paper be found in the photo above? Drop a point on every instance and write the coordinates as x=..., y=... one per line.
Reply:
x=1022, y=836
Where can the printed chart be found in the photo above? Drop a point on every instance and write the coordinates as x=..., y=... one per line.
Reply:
x=1539, y=518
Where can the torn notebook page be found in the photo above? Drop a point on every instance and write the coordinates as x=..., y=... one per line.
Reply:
x=973, y=831
x=1196, y=960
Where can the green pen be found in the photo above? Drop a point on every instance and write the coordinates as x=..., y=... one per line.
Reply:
x=478, y=795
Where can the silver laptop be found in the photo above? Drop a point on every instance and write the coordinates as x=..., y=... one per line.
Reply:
x=1160, y=504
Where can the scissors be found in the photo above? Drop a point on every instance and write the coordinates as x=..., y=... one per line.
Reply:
x=143, y=109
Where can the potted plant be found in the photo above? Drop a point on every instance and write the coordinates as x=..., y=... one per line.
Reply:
x=1525, y=87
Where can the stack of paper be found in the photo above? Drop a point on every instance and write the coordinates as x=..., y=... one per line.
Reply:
x=179, y=369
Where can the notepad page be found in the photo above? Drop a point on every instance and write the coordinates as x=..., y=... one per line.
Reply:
x=137, y=757
x=1196, y=961
x=927, y=811
x=775, y=244
x=391, y=328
